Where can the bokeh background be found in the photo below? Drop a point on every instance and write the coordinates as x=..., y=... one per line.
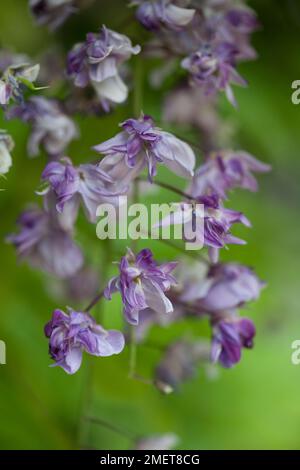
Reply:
x=256, y=405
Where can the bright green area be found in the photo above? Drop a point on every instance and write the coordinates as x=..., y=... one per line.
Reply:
x=255, y=405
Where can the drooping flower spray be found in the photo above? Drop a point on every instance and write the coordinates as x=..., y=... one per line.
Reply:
x=205, y=41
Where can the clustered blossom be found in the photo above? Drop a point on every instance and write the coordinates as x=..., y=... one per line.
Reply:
x=6, y=146
x=45, y=244
x=69, y=186
x=141, y=144
x=211, y=43
x=52, y=12
x=221, y=287
x=208, y=223
x=210, y=38
x=226, y=170
x=213, y=69
x=51, y=128
x=142, y=284
x=15, y=79
x=97, y=62
x=163, y=14
x=71, y=334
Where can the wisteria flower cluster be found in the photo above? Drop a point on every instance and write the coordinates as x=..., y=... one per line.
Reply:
x=210, y=38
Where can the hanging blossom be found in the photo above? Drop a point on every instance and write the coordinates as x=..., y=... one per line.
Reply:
x=51, y=128
x=208, y=222
x=225, y=286
x=225, y=170
x=211, y=45
x=68, y=186
x=6, y=146
x=71, y=334
x=45, y=244
x=97, y=62
x=141, y=144
x=230, y=336
x=142, y=284
x=15, y=80
x=52, y=13
x=213, y=69
x=162, y=13
x=218, y=291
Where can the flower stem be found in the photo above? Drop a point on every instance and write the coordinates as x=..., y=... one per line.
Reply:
x=94, y=301
x=110, y=427
x=169, y=187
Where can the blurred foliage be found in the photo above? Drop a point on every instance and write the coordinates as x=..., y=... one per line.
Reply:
x=256, y=404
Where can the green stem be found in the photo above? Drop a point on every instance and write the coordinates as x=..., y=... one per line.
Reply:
x=87, y=390
x=169, y=187
x=110, y=427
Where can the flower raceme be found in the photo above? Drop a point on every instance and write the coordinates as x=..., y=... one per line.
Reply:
x=141, y=144
x=71, y=334
x=142, y=284
x=97, y=61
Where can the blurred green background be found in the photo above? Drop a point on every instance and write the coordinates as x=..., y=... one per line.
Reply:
x=256, y=405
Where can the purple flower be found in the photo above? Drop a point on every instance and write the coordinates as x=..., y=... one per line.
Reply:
x=208, y=222
x=46, y=245
x=71, y=185
x=158, y=442
x=142, y=284
x=243, y=20
x=52, y=12
x=50, y=126
x=163, y=14
x=141, y=144
x=70, y=335
x=222, y=287
x=97, y=62
x=229, y=337
x=212, y=67
x=225, y=170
